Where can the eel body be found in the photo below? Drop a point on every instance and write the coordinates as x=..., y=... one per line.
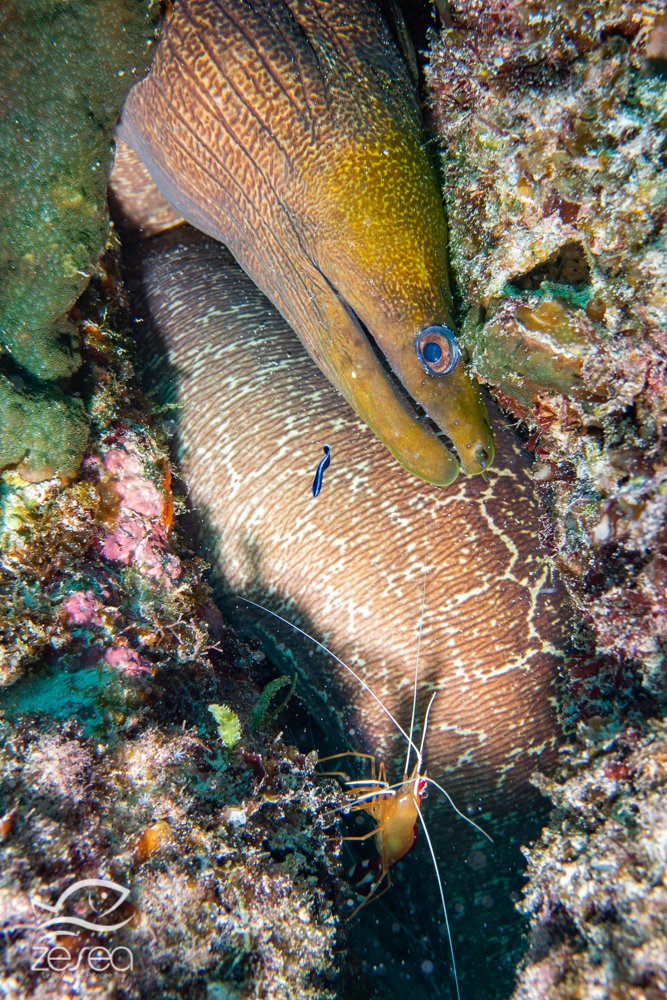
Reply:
x=290, y=130
x=253, y=416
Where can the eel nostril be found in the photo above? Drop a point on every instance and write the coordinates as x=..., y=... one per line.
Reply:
x=482, y=456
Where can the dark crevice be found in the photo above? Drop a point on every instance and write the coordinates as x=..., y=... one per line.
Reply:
x=566, y=266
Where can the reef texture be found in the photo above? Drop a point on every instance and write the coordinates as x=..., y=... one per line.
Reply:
x=64, y=70
x=112, y=767
x=223, y=901
x=43, y=432
x=552, y=118
x=598, y=877
x=111, y=651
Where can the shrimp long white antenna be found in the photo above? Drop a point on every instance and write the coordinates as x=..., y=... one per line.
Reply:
x=442, y=900
x=353, y=673
x=406, y=770
x=424, y=729
x=432, y=781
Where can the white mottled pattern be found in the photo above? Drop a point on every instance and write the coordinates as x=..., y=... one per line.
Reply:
x=349, y=565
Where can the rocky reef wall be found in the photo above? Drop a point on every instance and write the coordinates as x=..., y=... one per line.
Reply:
x=112, y=766
x=552, y=123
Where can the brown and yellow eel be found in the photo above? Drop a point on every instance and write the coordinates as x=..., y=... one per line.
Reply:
x=290, y=131
x=252, y=417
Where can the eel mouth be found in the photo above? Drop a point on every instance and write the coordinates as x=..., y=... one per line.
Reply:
x=419, y=413
x=478, y=439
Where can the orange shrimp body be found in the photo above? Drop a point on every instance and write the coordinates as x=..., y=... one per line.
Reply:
x=396, y=816
x=397, y=822
x=396, y=811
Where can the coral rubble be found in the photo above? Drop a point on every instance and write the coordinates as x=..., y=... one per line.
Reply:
x=553, y=117
x=598, y=877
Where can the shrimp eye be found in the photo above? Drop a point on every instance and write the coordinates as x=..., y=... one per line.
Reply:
x=438, y=350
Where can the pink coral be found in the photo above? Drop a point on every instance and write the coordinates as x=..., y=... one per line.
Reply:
x=137, y=493
x=139, y=534
x=121, y=543
x=123, y=461
x=156, y=562
x=122, y=657
x=82, y=608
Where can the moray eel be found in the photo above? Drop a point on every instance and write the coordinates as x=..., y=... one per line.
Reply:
x=290, y=131
x=253, y=416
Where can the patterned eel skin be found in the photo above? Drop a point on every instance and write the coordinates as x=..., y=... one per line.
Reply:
x=253, y=416
x=290, y=130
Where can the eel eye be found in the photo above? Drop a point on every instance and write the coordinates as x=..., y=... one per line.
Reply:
x=438, y=350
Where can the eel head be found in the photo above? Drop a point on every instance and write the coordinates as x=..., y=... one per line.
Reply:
x=375, y=229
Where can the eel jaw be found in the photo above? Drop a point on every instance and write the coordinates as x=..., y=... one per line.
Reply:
x=454, y=402
x=344, y=352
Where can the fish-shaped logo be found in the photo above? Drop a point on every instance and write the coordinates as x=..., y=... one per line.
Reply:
x=61, y=921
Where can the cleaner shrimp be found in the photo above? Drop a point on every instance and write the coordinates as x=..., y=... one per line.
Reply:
x=395, y=808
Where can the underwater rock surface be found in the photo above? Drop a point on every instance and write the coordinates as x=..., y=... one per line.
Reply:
x=598, y=876
x=64, y=70
x=553, y=121
x=111, y=656
x=553, y=118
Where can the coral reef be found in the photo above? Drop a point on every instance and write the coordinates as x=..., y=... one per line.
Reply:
x=111, y=652
x=223, y=899
x=56, y=154
x=91, y=563
x=553, y=122
x=43, y=432
x=111, y=655
x=552, y=118
x=598, y=876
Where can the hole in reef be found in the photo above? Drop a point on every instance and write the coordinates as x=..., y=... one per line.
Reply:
x=566, y=266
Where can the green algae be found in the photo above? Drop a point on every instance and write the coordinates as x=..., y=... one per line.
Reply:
x=66, y=68
x=42, y=432
x=229, y=727
x=263, y=713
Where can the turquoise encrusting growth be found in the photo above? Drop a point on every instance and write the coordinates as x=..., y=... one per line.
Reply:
x=290, y=131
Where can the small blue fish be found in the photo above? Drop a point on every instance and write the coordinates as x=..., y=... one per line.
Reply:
x=324, y=464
